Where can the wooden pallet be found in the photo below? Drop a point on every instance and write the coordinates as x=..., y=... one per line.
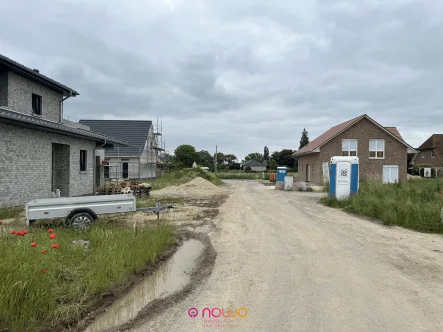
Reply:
x=110, y=191
x=140, y=191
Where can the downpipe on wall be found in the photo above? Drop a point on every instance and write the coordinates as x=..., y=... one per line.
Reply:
x=94, y=168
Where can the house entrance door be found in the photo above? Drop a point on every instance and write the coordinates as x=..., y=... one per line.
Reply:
x=308, y=173
x=125, y=170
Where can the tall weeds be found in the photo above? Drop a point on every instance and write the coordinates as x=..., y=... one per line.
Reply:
x=415, y=205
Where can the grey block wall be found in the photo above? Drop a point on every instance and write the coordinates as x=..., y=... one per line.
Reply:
x=3, y=87
x=26, y=165
x=20, y=91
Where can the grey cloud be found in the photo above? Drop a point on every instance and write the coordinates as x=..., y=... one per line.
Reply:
x=239, y=74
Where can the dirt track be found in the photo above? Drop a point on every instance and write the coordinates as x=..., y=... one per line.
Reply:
x=299, y=266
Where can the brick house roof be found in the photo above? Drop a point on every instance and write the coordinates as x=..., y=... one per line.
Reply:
x=334, y=131
x=433, y=142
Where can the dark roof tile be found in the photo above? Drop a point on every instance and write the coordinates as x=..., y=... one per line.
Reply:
x=133, y=131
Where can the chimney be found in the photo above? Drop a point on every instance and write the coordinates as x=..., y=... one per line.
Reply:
x=36, y=70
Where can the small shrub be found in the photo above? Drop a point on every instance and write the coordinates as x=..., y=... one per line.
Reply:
x=326, y=187
x=309, y=189
x=349, y=209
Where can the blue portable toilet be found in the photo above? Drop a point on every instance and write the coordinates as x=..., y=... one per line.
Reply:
x=282, y=171
x=344, y=176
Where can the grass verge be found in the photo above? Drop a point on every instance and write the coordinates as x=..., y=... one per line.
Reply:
x=415, y=205
x=146, y=202
x=183, y=176
x=10, y=212
x=31, y=299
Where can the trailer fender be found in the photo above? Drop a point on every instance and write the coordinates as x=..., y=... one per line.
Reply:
x=79, y=210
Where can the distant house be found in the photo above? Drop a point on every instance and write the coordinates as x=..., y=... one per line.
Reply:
x=431, y=152
x=382, y=151
x=137, y=161
x=255, y=165
x=40, y=152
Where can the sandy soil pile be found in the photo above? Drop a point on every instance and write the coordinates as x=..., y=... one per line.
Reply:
x=195, y=187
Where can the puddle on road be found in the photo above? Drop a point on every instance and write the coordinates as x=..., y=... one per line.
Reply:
x=169, y=278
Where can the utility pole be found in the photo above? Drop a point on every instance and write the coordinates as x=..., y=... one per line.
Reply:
x=215, y=159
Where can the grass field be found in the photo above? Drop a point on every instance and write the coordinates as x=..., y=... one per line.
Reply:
x=30, y=298
x=415, y=205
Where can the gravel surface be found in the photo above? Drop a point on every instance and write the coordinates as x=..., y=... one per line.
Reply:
x=299, y=266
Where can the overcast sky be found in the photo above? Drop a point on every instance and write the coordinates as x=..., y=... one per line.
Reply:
x=238, y=74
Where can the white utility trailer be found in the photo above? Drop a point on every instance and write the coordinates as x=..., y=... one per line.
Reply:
x=80, y=212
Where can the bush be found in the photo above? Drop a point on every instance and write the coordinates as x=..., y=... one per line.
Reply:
x=326, y=187
x=417, y=171
x=415, y=205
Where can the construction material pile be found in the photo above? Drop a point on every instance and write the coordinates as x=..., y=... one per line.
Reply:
x=124, y=187
x=195, y=187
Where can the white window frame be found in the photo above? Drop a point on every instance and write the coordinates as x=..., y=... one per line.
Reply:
x=422, y=154
x=432, y=154
x=349, y=144
x=376, y=148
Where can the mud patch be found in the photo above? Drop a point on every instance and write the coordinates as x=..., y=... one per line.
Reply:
x=203, y=268
x=170, y=278
x=213, y=202
x=206, y=214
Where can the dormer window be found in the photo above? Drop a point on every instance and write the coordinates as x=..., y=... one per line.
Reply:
x=36, y=104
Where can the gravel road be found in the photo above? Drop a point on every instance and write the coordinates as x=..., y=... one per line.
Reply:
x=298, y=266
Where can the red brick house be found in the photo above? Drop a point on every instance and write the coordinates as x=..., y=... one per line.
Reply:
x=431, y=152
x=382, y=152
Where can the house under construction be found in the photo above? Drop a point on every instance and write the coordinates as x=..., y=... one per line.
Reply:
x=144, y=158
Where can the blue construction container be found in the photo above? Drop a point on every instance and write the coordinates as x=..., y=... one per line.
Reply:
x=282, y=171
x=344, y=176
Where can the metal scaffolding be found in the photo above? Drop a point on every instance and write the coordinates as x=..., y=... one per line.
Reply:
x=152, y=162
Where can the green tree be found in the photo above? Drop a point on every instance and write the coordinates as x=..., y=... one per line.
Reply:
x=304, y=139
x=284, y=158
x=266, y=154
x=235, y=166
x=205, y=158
x=230, y=158
x=186, y=155
x=221, y=158
x=273, y=165
x=255, y=155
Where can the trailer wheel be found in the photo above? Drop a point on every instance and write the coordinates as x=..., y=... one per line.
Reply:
x=81, y=221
